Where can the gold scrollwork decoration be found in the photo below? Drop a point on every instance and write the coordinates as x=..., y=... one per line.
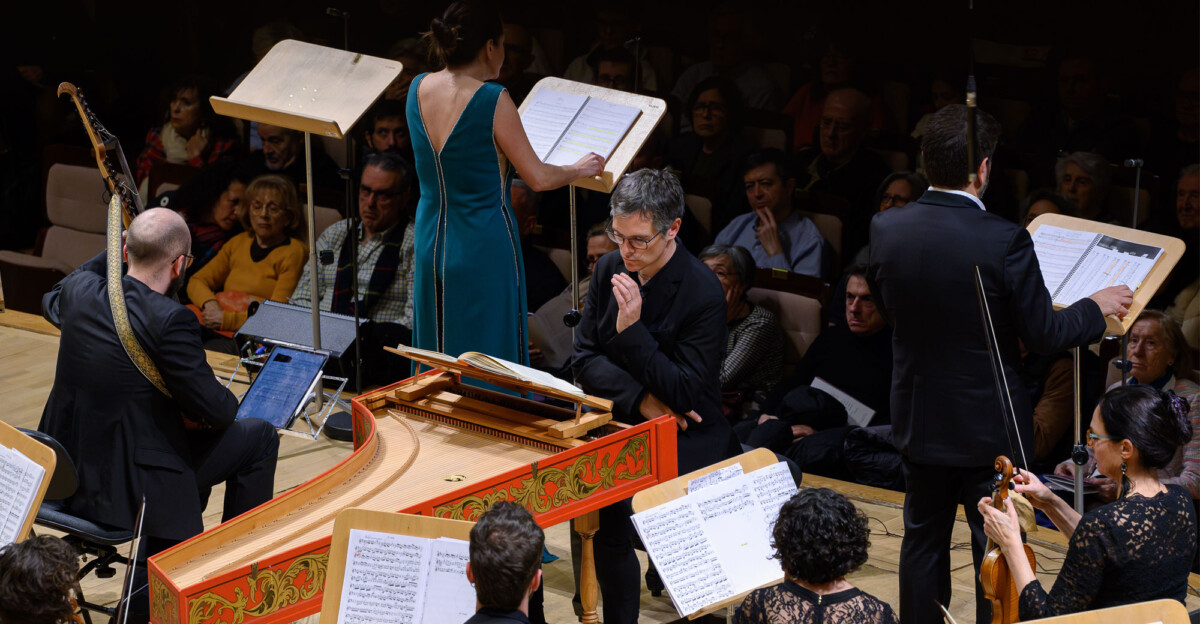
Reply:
x=163, y=607
x=269, y=591
x=585, y=476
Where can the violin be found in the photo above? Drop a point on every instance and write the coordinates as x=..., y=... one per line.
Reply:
x=994, y=574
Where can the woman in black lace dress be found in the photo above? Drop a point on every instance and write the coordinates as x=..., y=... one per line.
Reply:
x=819, y=538
x=1137, y=548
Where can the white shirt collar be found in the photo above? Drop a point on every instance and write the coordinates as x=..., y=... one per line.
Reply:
x=978, y=201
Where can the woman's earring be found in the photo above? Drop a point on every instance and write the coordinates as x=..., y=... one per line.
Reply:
x=1124, y=480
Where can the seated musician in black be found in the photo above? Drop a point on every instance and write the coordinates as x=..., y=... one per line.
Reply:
x=1137, y=548
x=505, y=566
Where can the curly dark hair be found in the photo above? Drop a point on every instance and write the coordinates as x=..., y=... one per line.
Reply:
x=820, y=536
x=37, y=577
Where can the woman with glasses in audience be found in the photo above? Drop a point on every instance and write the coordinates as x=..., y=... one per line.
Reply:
x=896, y=190
x=211, y=203
x=1137, y=548
x=264, y=262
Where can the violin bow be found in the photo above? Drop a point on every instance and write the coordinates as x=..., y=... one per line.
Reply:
x=1007, y=411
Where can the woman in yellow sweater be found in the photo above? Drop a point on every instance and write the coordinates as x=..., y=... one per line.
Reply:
x=264, y=262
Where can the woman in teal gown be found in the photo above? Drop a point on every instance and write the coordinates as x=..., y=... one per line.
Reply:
x=469, y=282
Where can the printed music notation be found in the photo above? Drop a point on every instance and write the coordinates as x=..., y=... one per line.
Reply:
x=714, y=543
x=20, y=478
x=402, y=579
x=564, y=127
x=1076, y=263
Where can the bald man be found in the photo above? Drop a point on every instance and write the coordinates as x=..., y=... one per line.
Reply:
x=127, y=438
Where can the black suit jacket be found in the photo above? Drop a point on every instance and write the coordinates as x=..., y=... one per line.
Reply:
x=674, y=352
x=945, y=407
x=126, y=438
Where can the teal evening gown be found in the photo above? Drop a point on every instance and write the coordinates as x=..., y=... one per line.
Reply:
x=469, y=287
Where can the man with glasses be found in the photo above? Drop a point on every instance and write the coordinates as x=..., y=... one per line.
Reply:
x=129, y=439
x=385, y=262
x=651, y=340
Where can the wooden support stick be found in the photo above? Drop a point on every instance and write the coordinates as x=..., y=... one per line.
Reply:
x=589, y=588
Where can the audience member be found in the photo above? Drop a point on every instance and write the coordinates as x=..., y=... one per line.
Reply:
x=841, y=165
x=1049, y=382
x=655, y=283
x=753, y=360
x=1045, y=201
x=614, y=69
x=38, y=581
x=944, y=89
x=264, y=262
x=387, y=129
x=615, y=27
x=836, y=71
x=1160, y=359
x=211, y=203
x=1085, y=179
x=518, y=57
x=1184, y=224
x=1136, y=549
x=1176, y=144
x=506, y=564
x=283, y=153
x=776, y=234
x=384, y=283
x=708, y=156
x=543, y=280
x=413, y=56
x=729, y=38
x=191, y=133
x=897, y=189
x=819, y=538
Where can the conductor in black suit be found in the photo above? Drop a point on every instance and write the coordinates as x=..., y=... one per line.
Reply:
x=945, y=409
x=127, y=438
x=651, y=340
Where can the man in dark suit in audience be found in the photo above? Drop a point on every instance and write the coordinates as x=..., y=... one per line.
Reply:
x=946, y=415
x=652, y=339
x=506, y=564
x=128, y=438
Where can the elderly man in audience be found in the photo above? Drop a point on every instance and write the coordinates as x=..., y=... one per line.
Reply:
x=1179, y=293
x=651, y=340
x=776, y=234
x=506, y=564
x=283, y=153
x=840, y=165
x=1085, y=179
x=383, y=285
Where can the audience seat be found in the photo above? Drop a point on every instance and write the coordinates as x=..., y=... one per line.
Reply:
x=1120, y=198
x=764, y=129
x=898, y=150
x=561, y=259
x=830, y=227
x=701, y=208
x=325, y=217
x=165, y=176
x=799, y=301
x=77, y=212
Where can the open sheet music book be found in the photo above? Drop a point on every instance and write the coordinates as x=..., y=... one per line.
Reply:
x=494, y=365
x=564, y=127
x=715, y=543
x=20, y=478
x=1076, y=263
x=392, y=578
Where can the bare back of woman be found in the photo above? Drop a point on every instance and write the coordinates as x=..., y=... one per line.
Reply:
x=442, y=97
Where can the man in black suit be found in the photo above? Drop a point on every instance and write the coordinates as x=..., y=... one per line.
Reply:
x=128, y=439
x=506, y=564
x=946, y=414
x=652, y=338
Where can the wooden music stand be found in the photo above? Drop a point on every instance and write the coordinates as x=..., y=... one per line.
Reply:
x=1172, y=252
x=312, y=89
x=677, y=488
x=382, y=522
x=40, y=454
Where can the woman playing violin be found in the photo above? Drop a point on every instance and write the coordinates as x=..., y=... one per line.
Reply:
x=1137, y=548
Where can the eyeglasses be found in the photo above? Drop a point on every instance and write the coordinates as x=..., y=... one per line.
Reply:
x=713, y=108
x=272, y=208
x=1093, y=437
x=366, y=192
x=840, y=127
x=190, y=259
x=635, y=243
x=895, y=200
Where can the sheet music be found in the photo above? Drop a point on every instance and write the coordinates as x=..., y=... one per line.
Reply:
x=714, y=477
x=598, y=128
x=773, y=486
x=547, y=117
x=20, y=478
x=449, y=597
x=856, y=412
x=687, y=562
x=384, y=578
x=1111, y=262
x=1058, y=250
x=736, y=525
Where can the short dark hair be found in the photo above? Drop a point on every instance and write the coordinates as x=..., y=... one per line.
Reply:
x=729, y=92
x=198, y=195
x=820, y=536
x=506, y=550
x=610, y=55
x=384, y=109
x=390, y=163
x=944, y=145
x=463, y=30
x=857, y=269
x=915, y=180
x=769, y=156
x=1153, y=421
x=1044, y=194
x=37, y=577
x=743, y=262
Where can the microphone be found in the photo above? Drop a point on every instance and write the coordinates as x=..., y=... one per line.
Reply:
x=1133, y=162
x=572, y=318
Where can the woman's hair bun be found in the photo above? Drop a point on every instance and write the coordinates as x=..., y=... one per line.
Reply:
x=1180, y=407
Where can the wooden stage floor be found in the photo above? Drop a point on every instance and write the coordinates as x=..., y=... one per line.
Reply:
x=29, y=347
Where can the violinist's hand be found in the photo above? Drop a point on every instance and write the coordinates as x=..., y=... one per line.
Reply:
x=1002, y=526
x=590, y=165
x=1033, y=489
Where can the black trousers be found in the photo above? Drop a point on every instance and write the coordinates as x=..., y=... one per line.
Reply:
x=243, y=457
x=930, y=503
x=617, y=569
